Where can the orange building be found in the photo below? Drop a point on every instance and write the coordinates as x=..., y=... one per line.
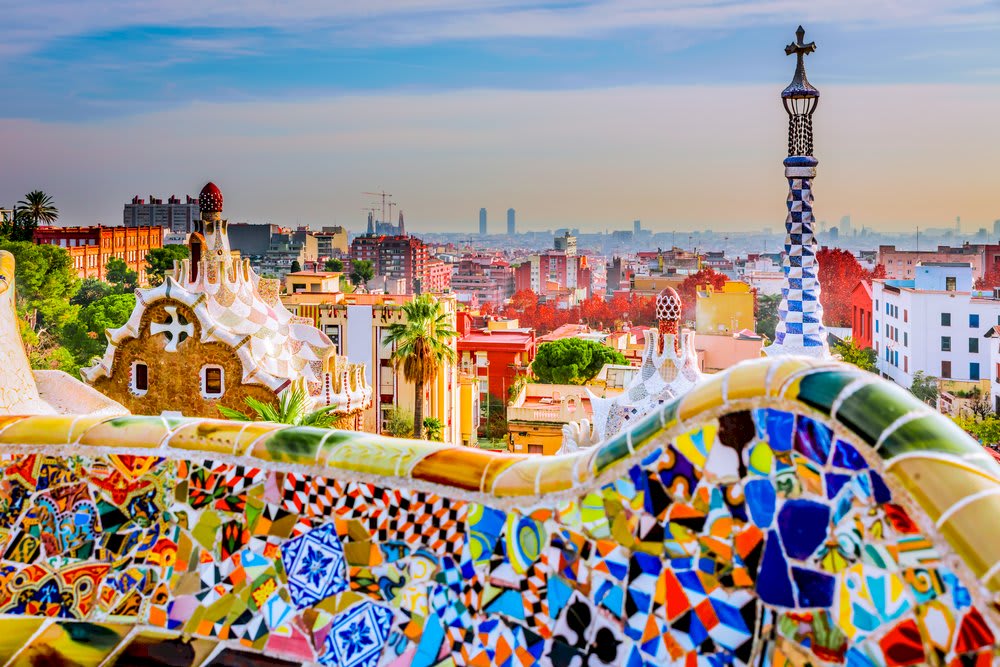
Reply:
x=90, y=248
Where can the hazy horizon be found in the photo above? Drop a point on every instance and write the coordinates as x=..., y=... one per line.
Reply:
x=585, y=115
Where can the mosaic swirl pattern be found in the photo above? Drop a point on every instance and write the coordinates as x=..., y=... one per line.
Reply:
x=783, y=513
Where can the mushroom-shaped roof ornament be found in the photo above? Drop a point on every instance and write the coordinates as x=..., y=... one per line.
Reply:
x=210, y=199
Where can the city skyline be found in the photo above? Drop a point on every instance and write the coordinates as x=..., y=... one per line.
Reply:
x=582, y=114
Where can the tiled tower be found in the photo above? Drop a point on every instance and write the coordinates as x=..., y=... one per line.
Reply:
x=800, y=315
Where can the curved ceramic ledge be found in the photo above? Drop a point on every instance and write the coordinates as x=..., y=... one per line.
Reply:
x=944, y=470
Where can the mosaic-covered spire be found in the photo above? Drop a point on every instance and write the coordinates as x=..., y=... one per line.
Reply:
x=800, y=316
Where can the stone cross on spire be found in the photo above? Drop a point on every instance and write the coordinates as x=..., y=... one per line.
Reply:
x=799, y=47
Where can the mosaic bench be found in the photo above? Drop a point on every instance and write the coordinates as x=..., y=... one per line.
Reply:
x=785, y=512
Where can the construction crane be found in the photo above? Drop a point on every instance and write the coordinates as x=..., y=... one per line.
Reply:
x=383, y=194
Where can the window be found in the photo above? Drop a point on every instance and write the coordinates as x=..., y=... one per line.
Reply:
x=946, y=343
x=906, y=315
x=946, y=319
x=212, y=381
x=950, y=283
x=974, y=345
x=535, y=449
x=946, y=369
x=906, y=338
x=876, y=326
x=140, y=378
x=973, y=319
x=906, y=364
x=974, y=371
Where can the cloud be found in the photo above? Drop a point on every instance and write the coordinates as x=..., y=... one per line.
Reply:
x=29, y=26
x=674, y=156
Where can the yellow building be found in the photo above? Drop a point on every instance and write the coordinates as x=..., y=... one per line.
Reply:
x=653, y=285
x=357, y=324
x=469, y=414
x=724, y=311
x=536, y=416
x=312, y=281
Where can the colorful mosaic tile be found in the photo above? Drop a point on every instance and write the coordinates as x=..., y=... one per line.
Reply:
x=756, y=536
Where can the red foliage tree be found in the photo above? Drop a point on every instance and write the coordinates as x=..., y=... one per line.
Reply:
x=839, y=274
x=593, y=311
x=990, y=281
x=689, y=287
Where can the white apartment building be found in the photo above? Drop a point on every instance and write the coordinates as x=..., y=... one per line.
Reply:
x=992, y=342
x=934, y=323
x=176, y=215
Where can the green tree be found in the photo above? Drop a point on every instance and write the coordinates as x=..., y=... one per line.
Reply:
x=399, y=423
x=984, y=429
x=161, y=260
x=925, y=387
x=39, y=208
x=46, y=281
x=494, y=424
x=17, y=226
x=572, y=360
x=85, y=337
x=863, y=358
x=767, y=314
x=333, y=264
x=117, y=273
x=291, y=408
x=91, y=290
x=434, y=428
x=361, y=271
x=422, y=345
x=296, y=267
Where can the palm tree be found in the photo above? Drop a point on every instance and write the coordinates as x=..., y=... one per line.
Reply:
x=422, y=346
x=291, y=409
x=39, y=207
x=434, y=428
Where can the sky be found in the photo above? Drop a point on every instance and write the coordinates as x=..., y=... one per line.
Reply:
x=583, y=113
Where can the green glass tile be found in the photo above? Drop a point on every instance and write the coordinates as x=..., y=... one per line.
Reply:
x=644, y=429
x=819, y=390
x=611, y=452
x=871, y=409
x=299, y=444
x=934, y=433
x=668, y=413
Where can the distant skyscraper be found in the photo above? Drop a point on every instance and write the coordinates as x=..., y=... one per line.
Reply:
x=845, y=225
x=996, y=229
x=511, y=225
x=482, y=222
x=637, y=227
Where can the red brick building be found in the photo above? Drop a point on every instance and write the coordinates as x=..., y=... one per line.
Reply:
x=437, y=276
x=861, y=314
x=496, y=356
x=555, y=276
x=405, y=257
x=90, y=248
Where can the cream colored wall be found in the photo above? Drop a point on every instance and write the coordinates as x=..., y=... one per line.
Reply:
x=443, y=396
x=722, y=351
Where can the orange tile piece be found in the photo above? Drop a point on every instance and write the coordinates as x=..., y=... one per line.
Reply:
x=461, y=467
